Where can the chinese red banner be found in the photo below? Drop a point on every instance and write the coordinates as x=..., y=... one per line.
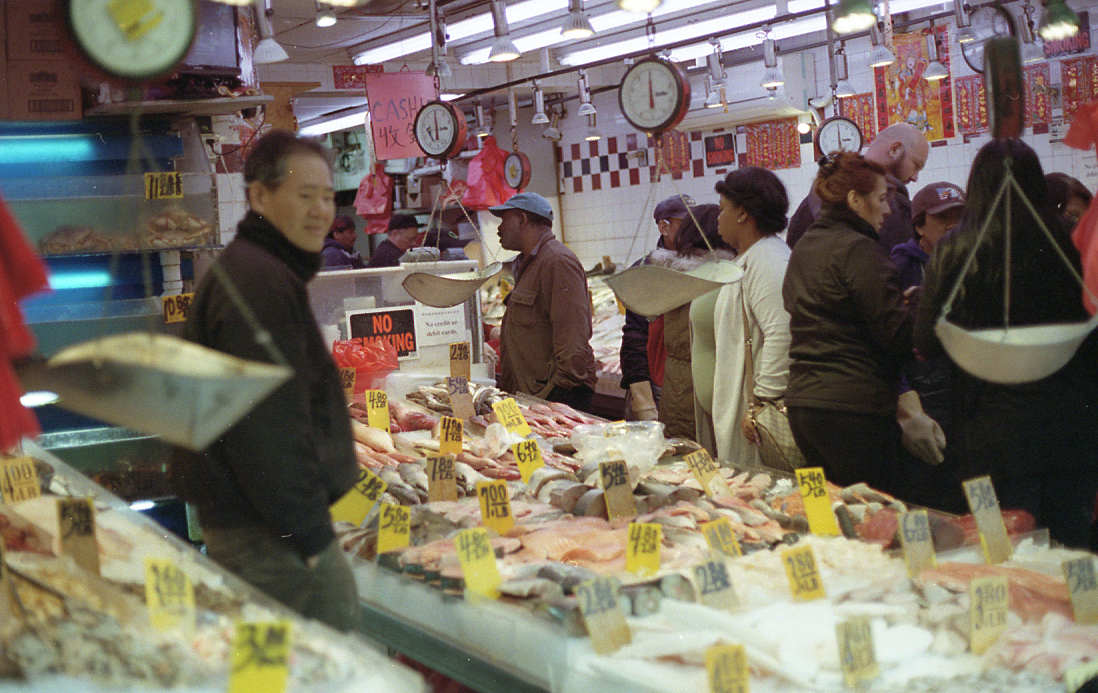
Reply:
x=903, y=96
x=673, y=153
x=1079, y=80
x=861, y=110
x=971, y=105
x=773, y=145
x=1038, y=98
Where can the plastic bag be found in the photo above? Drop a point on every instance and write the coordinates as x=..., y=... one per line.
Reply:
x=372, y=359
x=374, y=200
x=1083, y=134
x=487, y=186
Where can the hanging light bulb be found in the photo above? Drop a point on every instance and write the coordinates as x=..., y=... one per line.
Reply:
x=772, y=75
x=325, y=17
x=586, y=107
x=1031, y=52
x=880, y=56
x=539, y=107
x=576, y=25
x=552, y=132
x=592, y=133
x=267, y=50
x=503, y=48
x=1058, y=21
x=714, y=81
x=639, y=6
x=483, y=130
x=852, y=16
x=843, y=88
x=935, y=71
x=965, y=34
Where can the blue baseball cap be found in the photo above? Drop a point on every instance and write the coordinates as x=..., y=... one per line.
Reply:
x=527, y=202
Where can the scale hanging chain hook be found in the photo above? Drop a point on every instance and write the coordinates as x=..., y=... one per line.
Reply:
x=650, y=32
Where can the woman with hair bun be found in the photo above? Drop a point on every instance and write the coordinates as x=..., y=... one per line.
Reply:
x=851, y=330
x=753, y=208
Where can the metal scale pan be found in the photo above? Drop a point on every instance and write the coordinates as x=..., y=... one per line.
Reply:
x=444, y=291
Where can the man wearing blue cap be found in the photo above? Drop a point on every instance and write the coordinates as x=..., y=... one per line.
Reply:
x=545, y=339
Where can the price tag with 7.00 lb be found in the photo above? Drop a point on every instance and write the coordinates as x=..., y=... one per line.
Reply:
x=988, y=597
x=616, y=490
x=393, y=523
x=261, y=653
x=460, y=358
x=726, y=666
x=509, y=414
x=176, y=307
x=857, y=655
x=478, y=562
x=441, y=479
x=721, y=537
x=917, y=542
x=169, y=594
x=989, y=519
x=714, y=586
x=602, y=614
x=449, y=436
x=528, y=455
x=706, y=472
x=377, y=409
x=1083, y=586
x=817, y=502
x=357, y=503
x=642, y=551
x=461, y=400
x=19, y=479
x=77, y=523
x=803, y=574
x=495, y=505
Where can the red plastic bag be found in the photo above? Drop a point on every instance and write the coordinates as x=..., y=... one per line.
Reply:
x=487, y=186
x=372, y=359
x=374, y=200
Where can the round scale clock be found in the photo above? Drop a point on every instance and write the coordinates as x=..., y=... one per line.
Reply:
x=654, y=95
x=988, y=22
x=838, y=134
x=133, y=40
x=516, y=170
x=440, y=129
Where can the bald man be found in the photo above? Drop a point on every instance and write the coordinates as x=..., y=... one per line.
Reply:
x=902, y=149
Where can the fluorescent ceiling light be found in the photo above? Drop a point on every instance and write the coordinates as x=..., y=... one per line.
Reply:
x=326, y=124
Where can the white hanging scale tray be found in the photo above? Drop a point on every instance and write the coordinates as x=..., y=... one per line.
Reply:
x=445, y=291
x=650, y=290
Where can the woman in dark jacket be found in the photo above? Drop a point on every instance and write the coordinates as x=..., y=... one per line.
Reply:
x=1037, y=440
x=850, y=329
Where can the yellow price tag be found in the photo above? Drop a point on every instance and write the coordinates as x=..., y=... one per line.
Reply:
x=708, y=475
x=988, y=599
x=642, y=550
x=461, y=399
x=917, y=542
x=495, y=505
x=817, y=503
x=76, y=520
x=726, y=667
x=449, y=436
x=165, y=185
x=721, y=537
x=460, y=358
x=377, y=409
x=347, y=378
x=176, y=307
x=441, y=479
x=804, y=576
x=1083, y=586
x=19, y=479
x=857, y=655
x=989, y=519
x=528, y=456
x=602, y=614
x=393, y=527
x=511, y=417
x=261, y=652
x=616, y=490
x=714, y=587
x=169, y=596
x=357, y=503
x=478, y=562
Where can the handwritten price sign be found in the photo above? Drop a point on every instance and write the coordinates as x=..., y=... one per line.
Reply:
x=726, y=667
x=393, y=527
x=989, y=519
x=528, y=455
x=803, y=574
x=459, y=360
x=706, y=472
x=721, y=537
x=450, y=434
x=441, y=479
x=817, y=503
x=509, y=414
x=602, y=614
x=714, y=586
x=176, y=307
x=169, y=595
x=642, y=551
x=857, y=655
x=165, y=185
x=19, y=479
x=377, y=409
x=260, y=656
x=357, y=503
x=495, y=505
x=988, y=598
x=478, y=562
x=917, y=542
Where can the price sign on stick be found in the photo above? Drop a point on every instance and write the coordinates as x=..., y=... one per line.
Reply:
x=1083, y=586
x=478, y=562
x=803, y=573
x=714, y=588
x=817, y=502
x=393, y=525
x=509, y=414
x=347, y=377
x=642, y=550
x=441, y=479
x=726, y=667
x=857, y=655
x=988, y=599
x=19, y=479
x=357, y=503
x=77, y=523
x=528, y=455
x=616, y=490
x=708, y=475
x=917, y=542
x=602, y=614
x=721, y=537
x=261, y=653
x=176, y=307
x=989, y=519
x=449, y=437
x=461, y=400
x=495, y=505
x=169, y=596
x=460, y=359
x=377, y=409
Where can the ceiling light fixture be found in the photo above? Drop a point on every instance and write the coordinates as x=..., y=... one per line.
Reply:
x=577, y=25
x=344, y=3
x=325, y=16
x=586, y=108
x=935, y=71
x=852, y=16
x=503, y=48
x=483, y=129
x=539, y=106
x=843, y=87
x=1058, y=21
x=714, y=81
x=552, y=132
x=1031, y=52
x=639, y=6
x=267, y=50
x=965, y=34
x=880, y=56
x=592, y=133
x=334, y=122
x=772, y=75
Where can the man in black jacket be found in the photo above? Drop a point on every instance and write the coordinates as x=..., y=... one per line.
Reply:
x=262, y=491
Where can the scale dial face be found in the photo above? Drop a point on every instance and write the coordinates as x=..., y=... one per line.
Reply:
x=988, y=22
x=654, y=95
x=440, y=129
x=516, y=170
x=838, y=134
x=133, y=39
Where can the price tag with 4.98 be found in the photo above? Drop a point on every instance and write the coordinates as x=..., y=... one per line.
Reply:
x=706, y=472
x=176, y=307
x=528, y=455
x=602, y=614
x=726, y=666
x=357, y=503
x=642, y=551
x=478, y=562
x=450, y=435
x=261, y=654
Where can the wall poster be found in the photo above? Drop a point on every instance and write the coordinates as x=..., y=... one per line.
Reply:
x=903, y=96
x=773, y=145
x=861, y=110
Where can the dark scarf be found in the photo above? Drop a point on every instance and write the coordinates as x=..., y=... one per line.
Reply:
x=255, y=228
x=835, y=215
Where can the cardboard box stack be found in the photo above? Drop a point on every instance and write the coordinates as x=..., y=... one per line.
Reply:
x=41, y=83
